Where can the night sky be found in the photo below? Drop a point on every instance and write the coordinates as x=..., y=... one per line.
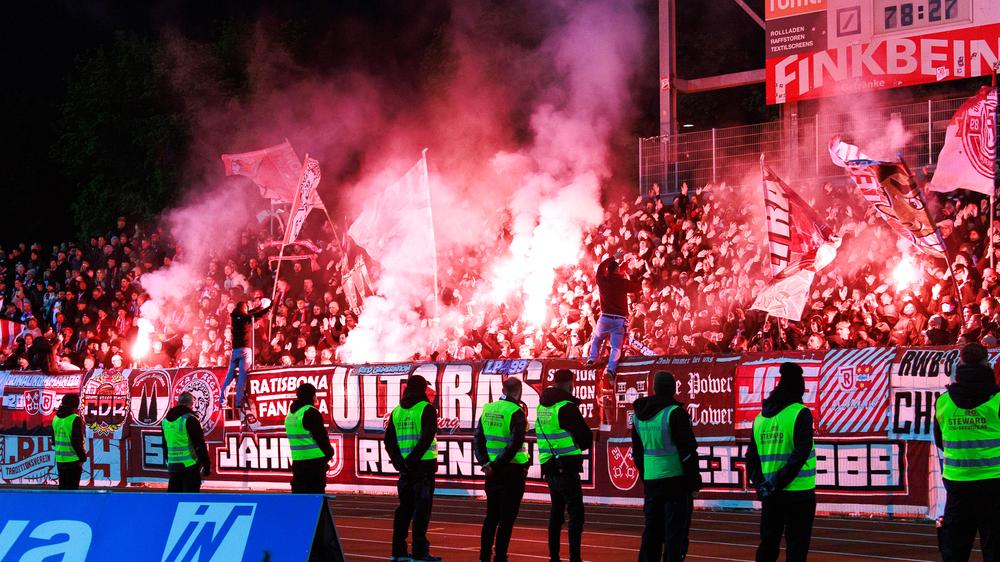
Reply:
x=47, y=44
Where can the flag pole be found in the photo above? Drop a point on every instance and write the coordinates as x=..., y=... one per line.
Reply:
x=430, y=217
x=285, y=239
x=937, y=232
x=996, y=160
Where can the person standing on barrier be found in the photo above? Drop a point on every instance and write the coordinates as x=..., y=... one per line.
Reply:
x=563, y=436
x=781, y=463
x=666, y=454
x=308, y=442
x=967, y=429
x=67, y=427
x=241, y=358
x=614, y=287
x=410, y=440
x=500, y=449
x=187, y=455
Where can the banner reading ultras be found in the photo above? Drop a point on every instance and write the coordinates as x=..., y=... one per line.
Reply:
x=820, y=48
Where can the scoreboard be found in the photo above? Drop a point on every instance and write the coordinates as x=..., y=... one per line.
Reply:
x=819, y=48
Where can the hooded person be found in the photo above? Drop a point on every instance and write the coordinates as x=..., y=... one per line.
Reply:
x=411, y=441
x=967, y=430
x=67, y=429
x=562, y=437
x=614, y=287
x=308, y=441
x=665, y=452
x=781, y=463
x=241, y=358
x=184, y=440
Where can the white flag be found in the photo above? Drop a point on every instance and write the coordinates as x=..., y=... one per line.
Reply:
x=305, y=199
x=398, y=220
x=970, y=147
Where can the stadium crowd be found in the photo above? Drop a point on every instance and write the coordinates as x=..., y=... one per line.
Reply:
x=700, y=256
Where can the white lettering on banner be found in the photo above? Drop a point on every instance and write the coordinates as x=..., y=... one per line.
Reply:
x=241, y=453
x=912, y=414
x=209, y=532
x=275, y=385
x=74, y=547
x=345, y=399
x=105, y=462
x=875, y=466
x=153, y=456
x=709, y=415
x=454, y=395
x=456, y=460
x=886, y=62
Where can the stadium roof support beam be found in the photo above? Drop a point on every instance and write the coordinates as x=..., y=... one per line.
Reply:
x=753, y=15
x=720, y=81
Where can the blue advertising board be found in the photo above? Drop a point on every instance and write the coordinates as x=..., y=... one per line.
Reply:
x=156, y=527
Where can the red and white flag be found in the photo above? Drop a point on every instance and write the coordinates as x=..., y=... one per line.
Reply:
x=892, y=191
x=799, y=243
x=9, y=330
x=970, y=147
x=305, y=200
x=275, y=170
x=399, y=220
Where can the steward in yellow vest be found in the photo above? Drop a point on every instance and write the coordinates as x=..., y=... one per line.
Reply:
x=562, y=437
x=967, y=429
x=308, y=442
x=665, y=452
x=67, y=430
x=184, y=444
x=410, y=440
x=781, y=463
x=500, y=448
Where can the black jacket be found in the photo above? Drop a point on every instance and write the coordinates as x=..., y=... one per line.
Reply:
x=195, y=435
x=614, y=289
x=802, y=441
x=312, y=421
x=681, y=433
x=241, y=325
x=76, y=433
x=428, y=429
x=973, y=386
x=571, y=420
x=518, y=427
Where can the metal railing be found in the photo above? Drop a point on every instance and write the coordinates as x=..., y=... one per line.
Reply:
x=796, y=148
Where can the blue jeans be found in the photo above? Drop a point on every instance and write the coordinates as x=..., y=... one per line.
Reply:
x=613, y=327
x=241, y=358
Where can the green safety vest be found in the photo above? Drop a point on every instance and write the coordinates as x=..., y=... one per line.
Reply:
x=179, y=449
x=660, y=458
x=775, y=440
x=407, y=424
x=553, y=440
x=63, y=430
x=495, y=422
x=300, y=441
x=971, y=439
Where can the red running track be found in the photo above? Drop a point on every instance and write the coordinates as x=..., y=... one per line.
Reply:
x=613, y=533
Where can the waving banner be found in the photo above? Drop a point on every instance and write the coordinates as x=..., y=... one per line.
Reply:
x=893, y=193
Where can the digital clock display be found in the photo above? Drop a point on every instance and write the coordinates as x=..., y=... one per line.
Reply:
x=900, y=15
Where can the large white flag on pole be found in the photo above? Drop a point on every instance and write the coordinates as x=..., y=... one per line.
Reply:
x=970, y=147
x=398, y=221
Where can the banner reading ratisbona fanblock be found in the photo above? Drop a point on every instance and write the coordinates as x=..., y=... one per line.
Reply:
x=872, y=408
